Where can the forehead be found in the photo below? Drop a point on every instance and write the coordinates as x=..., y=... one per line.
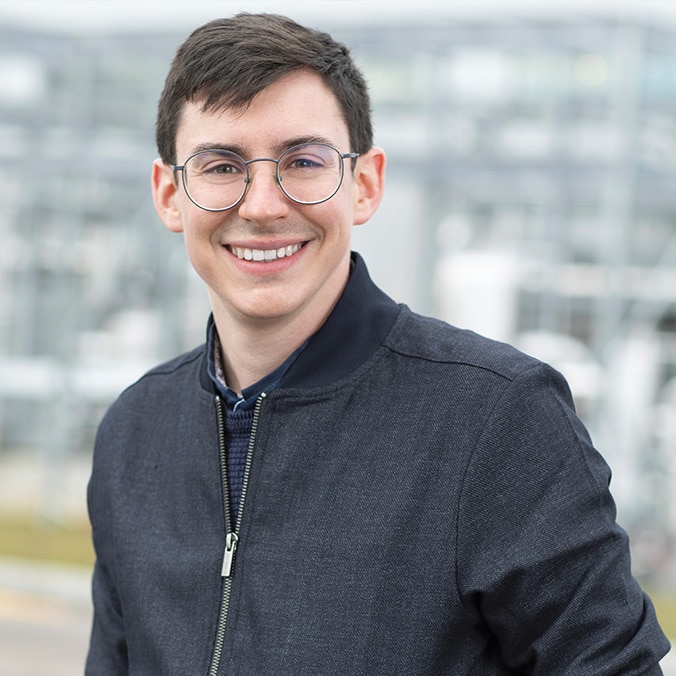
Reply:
x=296, y=107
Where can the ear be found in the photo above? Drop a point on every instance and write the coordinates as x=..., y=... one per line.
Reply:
x=369, y=178
x=165, y=196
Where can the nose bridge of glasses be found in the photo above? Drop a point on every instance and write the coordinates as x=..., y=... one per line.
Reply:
x=275, y=172
x=263, y=159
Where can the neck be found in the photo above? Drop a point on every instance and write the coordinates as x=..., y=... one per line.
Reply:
x=249, y=355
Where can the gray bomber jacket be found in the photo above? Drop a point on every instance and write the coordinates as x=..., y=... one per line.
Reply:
x=420, y=501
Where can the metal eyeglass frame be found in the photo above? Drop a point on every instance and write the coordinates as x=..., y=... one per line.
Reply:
x=278, y=179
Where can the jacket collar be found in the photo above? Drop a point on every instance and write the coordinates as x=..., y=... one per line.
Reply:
x=355, y=328
x=358, y=324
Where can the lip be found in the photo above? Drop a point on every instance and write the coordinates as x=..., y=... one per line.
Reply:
x=265, y=257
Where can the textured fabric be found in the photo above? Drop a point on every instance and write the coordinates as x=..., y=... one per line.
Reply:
x=237, y=433
x=421, y=501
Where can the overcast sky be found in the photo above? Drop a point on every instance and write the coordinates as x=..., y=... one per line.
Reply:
x=101, y=15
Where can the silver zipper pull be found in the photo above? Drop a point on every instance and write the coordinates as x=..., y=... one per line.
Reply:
x=231, y=541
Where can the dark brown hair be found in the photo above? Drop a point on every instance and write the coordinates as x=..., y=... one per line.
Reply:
x=227, y=62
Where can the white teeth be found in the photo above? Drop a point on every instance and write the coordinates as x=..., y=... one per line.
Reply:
x=264, y=254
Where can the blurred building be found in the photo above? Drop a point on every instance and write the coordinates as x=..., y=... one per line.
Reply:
x=531, y=196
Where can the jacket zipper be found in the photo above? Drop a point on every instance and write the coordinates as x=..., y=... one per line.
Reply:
x=231, y=535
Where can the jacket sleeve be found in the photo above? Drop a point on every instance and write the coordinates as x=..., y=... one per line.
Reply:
x=542, y=561
x=108, y=646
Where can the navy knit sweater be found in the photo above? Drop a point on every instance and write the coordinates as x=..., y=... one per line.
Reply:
x=237, y=432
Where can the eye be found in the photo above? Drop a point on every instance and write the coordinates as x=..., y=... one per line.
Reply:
x=221, y=166
x=307, y=159
x=217, y=165
x=297, y=161
x=224, y=168
x=313, y=161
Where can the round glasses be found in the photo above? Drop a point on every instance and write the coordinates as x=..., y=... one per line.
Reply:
x=309, y=173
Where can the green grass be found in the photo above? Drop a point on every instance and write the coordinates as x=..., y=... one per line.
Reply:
x=30, y=537
x=665, y=607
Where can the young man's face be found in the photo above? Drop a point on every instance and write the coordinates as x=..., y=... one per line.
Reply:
x=306, y=284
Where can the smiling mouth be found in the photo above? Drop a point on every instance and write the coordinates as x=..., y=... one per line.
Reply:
x=264, y=255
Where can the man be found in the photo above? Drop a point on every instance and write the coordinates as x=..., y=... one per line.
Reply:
x=333, y=484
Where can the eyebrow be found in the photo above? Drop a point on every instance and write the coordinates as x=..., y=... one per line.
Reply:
x=278, y=149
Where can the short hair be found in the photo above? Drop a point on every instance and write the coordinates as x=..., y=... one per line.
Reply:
x=227, y=62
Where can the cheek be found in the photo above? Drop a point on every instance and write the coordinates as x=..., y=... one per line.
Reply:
x=198, y=224
x=201, y=243
x=339, y=213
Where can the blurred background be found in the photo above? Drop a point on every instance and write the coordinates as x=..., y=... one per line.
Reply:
x=531, y=197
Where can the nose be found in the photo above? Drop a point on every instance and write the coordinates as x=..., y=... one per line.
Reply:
x=264, y=200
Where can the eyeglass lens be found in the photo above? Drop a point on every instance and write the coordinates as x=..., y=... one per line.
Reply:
x=308, y=174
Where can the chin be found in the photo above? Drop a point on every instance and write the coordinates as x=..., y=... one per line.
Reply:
x=266, y=312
